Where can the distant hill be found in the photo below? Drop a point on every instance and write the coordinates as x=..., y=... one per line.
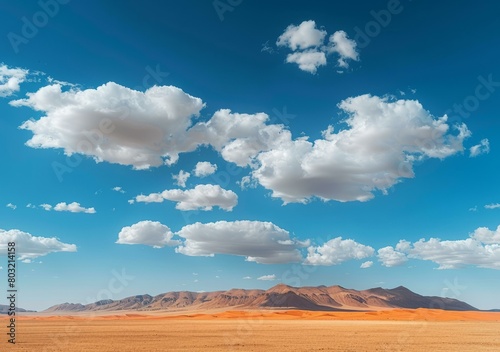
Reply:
x=281, y=296
x=4, y=309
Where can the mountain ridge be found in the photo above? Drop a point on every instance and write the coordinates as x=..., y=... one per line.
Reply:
x=281, y=296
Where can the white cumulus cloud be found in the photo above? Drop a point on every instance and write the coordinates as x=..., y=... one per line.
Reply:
x=150, y=233
x=377, y=150
x=303, y=36
x=150, y=198
x=240, y=137
x=202, y=197
x=271, y=277
x=492, y=206
x=73, y=208
x=309, y=51
x=308, y=60
x=10, y=79
x=344, y=47
x=261, y=242
x=204, y=168
x=29, y=246
x=485, y=235
x=390, y=257
x=481, y=249
x=113, y=123
x=11, y=206
x=337, y=251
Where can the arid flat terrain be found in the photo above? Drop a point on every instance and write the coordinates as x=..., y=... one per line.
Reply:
x=397, y=330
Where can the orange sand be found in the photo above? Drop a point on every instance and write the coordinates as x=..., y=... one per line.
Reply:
x=273, y=331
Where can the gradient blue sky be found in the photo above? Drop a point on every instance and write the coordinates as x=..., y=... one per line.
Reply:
x=429, y=56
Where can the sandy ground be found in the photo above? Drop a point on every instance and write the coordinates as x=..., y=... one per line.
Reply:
x=401, y=330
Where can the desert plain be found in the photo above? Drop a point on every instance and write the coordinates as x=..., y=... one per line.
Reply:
x=264, y=330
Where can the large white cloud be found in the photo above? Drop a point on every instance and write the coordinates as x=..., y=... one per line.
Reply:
x=10, y=79
x=458, y=253
x=114, y=123
x=337, y=251
x=383, y=140
x=202, y=197
x=29, y=246
x=481, y=249
x=303, y=36
x=150, y=233
x=261, y=242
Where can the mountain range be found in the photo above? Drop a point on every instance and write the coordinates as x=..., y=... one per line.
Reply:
x=321, y=298
x=4, y=309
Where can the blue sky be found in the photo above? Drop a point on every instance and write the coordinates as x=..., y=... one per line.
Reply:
x=404, y=183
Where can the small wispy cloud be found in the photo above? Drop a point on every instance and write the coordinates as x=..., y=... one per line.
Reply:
x=118, y=189
x=46, y=206
x=366, y=265
x=482, y=148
